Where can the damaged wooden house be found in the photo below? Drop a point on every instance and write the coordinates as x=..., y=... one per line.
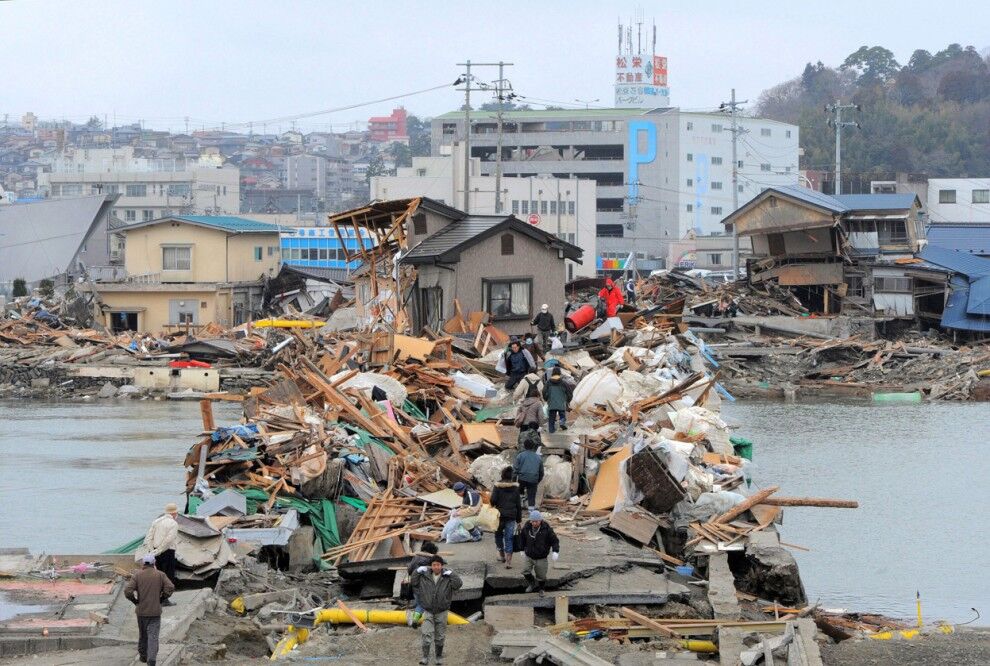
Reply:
x=496, y=264
x=848, y=254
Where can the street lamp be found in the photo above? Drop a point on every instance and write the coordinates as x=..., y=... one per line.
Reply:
x=587, y=102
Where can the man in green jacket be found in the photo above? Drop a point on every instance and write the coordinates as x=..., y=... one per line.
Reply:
x=434, y=587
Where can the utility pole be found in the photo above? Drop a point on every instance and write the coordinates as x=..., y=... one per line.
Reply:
x=837, y=123
x=500, y=87
x=468, y=80
x=733, y=105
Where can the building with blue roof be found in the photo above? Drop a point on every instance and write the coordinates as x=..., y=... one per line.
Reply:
x=968, y=237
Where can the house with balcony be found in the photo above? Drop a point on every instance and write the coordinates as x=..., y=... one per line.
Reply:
x=183, y=272
x=847, y=254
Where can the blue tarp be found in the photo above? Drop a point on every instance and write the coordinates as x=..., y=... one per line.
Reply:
x=245, y=432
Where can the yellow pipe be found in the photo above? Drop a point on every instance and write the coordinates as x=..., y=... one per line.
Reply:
x=699, y=646
x=338, y=616
x=297, y=636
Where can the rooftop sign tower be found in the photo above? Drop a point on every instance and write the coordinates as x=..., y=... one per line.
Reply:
x=640, y=74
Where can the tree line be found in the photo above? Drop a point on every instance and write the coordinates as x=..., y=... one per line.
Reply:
x=930, y=116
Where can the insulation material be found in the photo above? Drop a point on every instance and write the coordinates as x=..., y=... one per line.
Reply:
x=313, y=465
x=366, y=381
x=487, y=469
x=577, y=359
x=697, y=482
x=597, y=388
x=698, y=420
x=475, y=384
x=637, y=386
x=557, y=477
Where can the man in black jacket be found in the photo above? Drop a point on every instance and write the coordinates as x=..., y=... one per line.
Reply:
x=434, y=587
x=545, y=324
x=539, y=542
x=505, y=497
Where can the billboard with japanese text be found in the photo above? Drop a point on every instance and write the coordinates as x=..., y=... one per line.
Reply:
x=641, y=81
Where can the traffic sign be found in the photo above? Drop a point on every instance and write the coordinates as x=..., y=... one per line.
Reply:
x=534, y=219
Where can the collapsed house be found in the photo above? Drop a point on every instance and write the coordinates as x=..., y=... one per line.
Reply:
x=840, y=254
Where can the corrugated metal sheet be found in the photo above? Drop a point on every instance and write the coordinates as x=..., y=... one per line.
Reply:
x=958, y=262
x=39, y=240
x=955, y=315
x=876, y=201
x=972, y=238
x=979, y=296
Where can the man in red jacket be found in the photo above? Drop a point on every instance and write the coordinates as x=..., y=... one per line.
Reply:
x=612, y=296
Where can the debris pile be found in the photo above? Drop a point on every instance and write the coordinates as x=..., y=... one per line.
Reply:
x=353, y=447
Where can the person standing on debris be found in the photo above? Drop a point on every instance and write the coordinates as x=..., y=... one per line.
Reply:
x=558, y=393
x=161, y=540
x=147, y=588
x=518, y=362
x=505, y=498
x=470, y=508
x=545, y=324
x=631, y=292
x=539, y=542
x=526, y=384
x=434, y=587
x=420, y=559
x=611, y=296
x=529, y=413
x=528, y=468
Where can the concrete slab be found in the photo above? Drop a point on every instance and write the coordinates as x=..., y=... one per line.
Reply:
x=730, y=645
x=635, y=586
x=722, y=588
x=502, y=618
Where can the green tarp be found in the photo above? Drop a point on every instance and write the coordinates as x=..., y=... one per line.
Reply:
x=129, y=547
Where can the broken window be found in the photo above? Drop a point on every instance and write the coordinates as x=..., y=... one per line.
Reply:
x=892, y=284
x=419, y=224
x=776, y=244
x=892, y=232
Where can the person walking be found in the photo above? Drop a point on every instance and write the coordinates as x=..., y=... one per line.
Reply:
x=558, y=393
x=539, y=542
x=434, y=586
x=147, y=588
x=529, y=415
x=611, y=296
x=505, y=498
x=528, y=468
x=545, y=324
x=420, y=558
x=161, y=539
x=631, y=292
x=518, y=362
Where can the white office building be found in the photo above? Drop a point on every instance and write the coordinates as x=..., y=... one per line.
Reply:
x=959, y=200
x=659, y=172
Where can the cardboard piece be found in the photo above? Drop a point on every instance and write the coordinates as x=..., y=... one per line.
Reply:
x=607, y=483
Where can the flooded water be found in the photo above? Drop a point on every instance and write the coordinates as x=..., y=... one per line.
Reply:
x=919, y=474
x=89, y=477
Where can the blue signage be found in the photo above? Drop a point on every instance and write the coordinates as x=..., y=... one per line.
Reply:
x=636, y=157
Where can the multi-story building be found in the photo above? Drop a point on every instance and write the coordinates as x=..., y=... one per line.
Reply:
x=386, y=129
x=149, y=188
x=330, y=179
x=659, y=172
x=959, y=200
x=563, y=207
x=318, y=247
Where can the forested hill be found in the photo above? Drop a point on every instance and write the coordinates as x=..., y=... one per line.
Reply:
x=930, y=116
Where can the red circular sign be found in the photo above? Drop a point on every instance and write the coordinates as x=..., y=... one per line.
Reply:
x=534, y=219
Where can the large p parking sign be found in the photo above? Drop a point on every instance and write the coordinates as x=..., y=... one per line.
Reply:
x=636, y=156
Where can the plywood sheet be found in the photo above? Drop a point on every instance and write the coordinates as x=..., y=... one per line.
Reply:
x=445, y=498
x=607, y=482
x=416, y=348
x=473, y=432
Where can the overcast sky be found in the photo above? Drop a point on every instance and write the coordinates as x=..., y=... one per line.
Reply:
x=252, y=60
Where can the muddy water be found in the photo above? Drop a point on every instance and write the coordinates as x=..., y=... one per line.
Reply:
x=88, y=477
x=919, y=473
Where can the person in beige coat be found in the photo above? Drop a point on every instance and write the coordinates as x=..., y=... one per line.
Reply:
x=161, y=540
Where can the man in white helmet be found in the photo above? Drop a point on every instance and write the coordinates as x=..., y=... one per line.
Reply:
x=545, y=324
